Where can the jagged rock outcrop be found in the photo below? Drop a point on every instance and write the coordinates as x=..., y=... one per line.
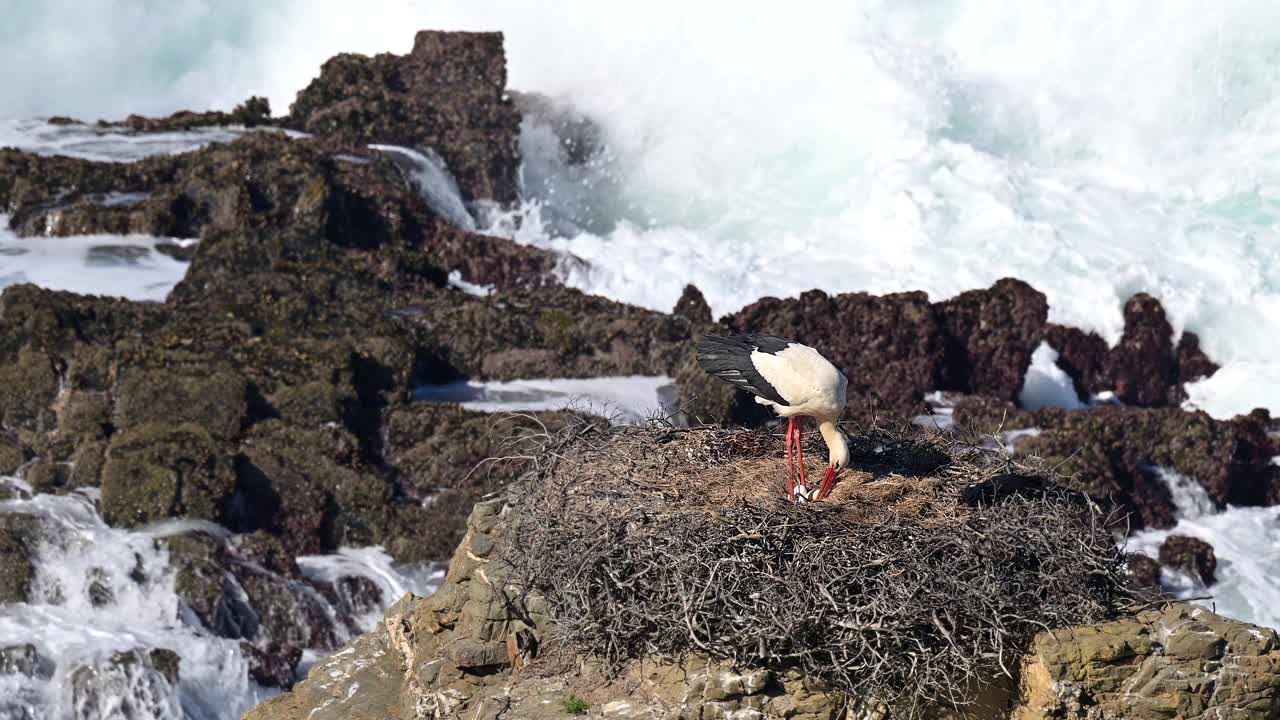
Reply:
x=447, y=94
x=229, y=195
x=693, y=306
x=1113, y=452
x=1177, y=662
x=1144, y=368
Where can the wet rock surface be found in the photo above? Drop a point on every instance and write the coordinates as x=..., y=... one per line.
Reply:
x=1112, y=452
x=447, y=94
x=18, y=536
x=1190, y=555
x=137, y=683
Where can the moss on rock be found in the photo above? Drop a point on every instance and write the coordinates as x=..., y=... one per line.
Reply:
x=157, y=471
x=18, y=536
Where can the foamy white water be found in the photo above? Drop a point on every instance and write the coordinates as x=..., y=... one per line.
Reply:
x=118, y=265
x=1046, y=385
x=430, y=175
x=1246, y=542
x=100, y=590
x=624, y=399
x=105, y=144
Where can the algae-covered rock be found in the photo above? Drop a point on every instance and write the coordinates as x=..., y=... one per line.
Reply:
x=28, y=387
x=18, y=536
x=158, y=471
x=447, y=94
x=1115, y=453
x=11, y=455
x=216, y=401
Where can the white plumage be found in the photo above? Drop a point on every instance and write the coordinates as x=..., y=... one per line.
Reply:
x=793, y=379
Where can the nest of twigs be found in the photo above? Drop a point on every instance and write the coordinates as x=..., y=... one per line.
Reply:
x=657, y=542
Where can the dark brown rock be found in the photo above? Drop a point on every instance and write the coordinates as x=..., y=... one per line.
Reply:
x=1190, y=555
x=556, y=332
x=448, y=94
x=1142, y=366
x=274, y=666
x=1144, y=575
x=264, y=182
x=991, y=335
x=1112, y=452
x=693, y=306
x=18, y=536
x=1193, y=364
x=448, y=458
x=254, y=112
x=1082, y=356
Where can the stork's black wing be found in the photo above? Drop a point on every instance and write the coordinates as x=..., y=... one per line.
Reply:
x=729, y=358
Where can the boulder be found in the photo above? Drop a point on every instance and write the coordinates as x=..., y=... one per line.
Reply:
x=1144, y=575
x=1190, y=555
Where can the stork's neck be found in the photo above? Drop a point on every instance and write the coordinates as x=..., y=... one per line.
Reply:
x=836, y=443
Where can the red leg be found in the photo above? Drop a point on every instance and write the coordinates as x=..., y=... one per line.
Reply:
x=791, y=469
x=804, y=482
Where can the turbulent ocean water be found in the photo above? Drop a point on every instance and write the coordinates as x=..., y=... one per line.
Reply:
x=1092, y=149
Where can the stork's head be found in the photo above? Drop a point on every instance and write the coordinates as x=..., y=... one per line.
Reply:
x=837, y=445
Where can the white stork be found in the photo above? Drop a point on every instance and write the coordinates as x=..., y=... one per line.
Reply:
x=793, y=379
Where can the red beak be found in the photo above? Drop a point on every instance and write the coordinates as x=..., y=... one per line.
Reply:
x=828, y=481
